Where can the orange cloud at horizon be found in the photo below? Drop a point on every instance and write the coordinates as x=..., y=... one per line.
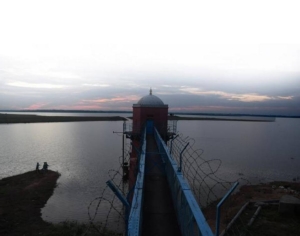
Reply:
x=36, y=106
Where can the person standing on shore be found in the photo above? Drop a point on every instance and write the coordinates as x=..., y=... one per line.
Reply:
x=37, y=168
x=45, y=166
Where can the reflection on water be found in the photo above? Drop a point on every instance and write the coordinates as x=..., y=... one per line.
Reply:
x=83, y=152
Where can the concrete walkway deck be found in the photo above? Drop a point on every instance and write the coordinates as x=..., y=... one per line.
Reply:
x=159, y=218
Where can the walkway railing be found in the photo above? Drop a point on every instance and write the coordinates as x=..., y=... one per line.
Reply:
x=135, y=214
x=190, y=217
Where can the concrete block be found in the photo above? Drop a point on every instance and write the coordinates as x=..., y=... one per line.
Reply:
x=289, y=205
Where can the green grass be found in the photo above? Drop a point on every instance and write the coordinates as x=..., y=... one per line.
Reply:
x=77, y=229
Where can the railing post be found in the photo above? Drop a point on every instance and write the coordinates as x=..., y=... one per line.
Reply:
x=180, y=163
x=219, y=206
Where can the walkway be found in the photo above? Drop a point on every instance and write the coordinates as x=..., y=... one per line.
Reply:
x=159, y=216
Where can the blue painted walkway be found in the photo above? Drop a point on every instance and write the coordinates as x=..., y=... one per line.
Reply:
x=159, y=217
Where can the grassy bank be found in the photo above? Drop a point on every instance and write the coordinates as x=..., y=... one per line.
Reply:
x=14, y=118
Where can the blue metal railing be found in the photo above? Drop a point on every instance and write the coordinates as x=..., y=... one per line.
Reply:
x=135, y=214
x=190, y=217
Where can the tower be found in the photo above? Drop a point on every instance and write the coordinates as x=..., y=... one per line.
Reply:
x=149, y=112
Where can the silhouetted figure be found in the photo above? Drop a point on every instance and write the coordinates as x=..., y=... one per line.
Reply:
x=37, y=168
x=45, y=166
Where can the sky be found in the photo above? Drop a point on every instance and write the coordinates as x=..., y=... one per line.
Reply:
x=197, y=56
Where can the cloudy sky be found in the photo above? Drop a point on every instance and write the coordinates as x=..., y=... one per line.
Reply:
x=200, y=56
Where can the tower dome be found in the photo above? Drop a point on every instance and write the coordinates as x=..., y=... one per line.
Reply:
x=150, y=100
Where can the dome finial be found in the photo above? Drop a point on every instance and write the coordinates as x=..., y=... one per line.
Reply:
x=150, y=91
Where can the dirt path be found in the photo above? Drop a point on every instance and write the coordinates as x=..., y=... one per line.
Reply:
x=21, y=200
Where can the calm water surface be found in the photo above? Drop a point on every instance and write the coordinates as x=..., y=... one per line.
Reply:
x=84, y=152
x=261, y=151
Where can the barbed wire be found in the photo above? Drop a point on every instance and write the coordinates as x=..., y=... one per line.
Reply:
x=201, y=174
x=107, y=198
x=204, y=179
x=108, y=202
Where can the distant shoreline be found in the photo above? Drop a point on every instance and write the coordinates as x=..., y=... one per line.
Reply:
x=17, y=118
x=237, y=118
x=20, y=118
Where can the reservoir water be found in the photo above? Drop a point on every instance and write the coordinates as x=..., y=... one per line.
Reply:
x=84, y=152
x=260, y=151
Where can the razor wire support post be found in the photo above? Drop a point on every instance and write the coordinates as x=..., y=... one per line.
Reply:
x=220, y=204
x=172, y=143
x=180, y=163
x=118, y=193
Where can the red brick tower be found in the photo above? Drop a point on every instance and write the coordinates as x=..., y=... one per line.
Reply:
x=149, y=112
